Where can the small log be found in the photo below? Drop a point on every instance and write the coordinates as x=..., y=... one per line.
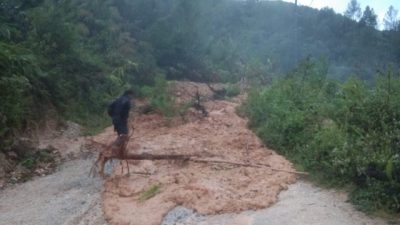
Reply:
x=224, y=162
x=257, y=165
x=195, y=158
x=147, y=156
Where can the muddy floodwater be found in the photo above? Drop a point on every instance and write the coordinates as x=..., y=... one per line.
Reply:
x=206, y=188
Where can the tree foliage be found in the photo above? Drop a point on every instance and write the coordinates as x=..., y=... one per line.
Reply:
x=76, y=56
x=391, y=22
x=347, y=133
x=353, y=10
x=369, y=18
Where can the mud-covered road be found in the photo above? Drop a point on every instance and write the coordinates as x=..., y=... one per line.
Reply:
x=219, y=194
x=68, y=197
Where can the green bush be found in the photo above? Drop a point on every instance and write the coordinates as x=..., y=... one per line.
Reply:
x=232, y=90
x=341, y=133
x=159, y=96
x=19, y=86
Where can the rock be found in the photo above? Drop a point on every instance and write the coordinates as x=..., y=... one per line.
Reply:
x=145, y=109
x=2, y=183
x=181, y=215
x=20, y=174
x=23, y=146
x=12, y=155
x=72, y=130
x=5, y=166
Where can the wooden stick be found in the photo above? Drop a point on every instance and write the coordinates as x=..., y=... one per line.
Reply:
x=224, y=162
x=193, y=158
x=258, y=165
x=147, y=156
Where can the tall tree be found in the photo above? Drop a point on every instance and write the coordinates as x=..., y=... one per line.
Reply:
x=391, y=22
x=369, y=18
x=353, y=10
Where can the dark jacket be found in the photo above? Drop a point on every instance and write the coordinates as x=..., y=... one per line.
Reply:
x=119, y=109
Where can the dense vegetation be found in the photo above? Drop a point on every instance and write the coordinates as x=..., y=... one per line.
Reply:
x=74, y=56
x=71, y=57
x=342, y=133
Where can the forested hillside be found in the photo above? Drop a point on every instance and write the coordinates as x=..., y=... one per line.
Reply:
x=74, y=56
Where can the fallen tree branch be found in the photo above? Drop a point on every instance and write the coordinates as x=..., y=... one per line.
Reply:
x=192, y=158
x=257, y=165
x=224, y=162
x=107, y=154
x=147, y=156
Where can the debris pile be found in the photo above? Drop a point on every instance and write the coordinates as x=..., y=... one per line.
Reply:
x=207, y=188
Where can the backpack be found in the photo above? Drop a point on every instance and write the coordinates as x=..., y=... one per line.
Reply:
x=110, y=109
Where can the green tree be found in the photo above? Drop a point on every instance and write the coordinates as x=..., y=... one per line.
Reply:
x=369, y=18
x=353, y=10
x=391, y=22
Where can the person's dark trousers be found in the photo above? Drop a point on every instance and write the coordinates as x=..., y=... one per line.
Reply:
x=121, y=126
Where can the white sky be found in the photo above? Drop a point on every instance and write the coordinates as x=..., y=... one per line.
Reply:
x=380, y=6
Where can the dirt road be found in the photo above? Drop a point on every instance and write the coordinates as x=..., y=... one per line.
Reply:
x=220, y=194
x=301, y=204
x=67, y=197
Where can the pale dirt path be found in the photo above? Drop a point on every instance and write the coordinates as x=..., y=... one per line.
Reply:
x=302, y=204
x=306, y=204
x=66, y=197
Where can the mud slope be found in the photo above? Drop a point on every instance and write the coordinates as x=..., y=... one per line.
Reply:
x=207, y=188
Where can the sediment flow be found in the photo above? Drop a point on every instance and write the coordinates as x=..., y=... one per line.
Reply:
x=204, y=187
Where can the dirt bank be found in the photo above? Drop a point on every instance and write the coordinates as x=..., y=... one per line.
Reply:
x=207, y=188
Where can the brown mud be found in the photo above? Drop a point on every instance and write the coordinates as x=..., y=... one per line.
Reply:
x=205, y=187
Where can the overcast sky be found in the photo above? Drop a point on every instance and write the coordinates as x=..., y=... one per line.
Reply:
x=380, y=6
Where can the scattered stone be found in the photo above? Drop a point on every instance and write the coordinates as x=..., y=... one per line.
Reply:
x=2, y=183
x=12, y=155
x=23, y=146
x=72, y=130
x=5, y=166
x=182, y=216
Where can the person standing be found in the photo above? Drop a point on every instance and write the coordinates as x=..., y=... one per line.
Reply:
x=118, y=110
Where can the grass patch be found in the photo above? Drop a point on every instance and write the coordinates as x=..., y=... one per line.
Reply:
x=150, y=193
x=32, y=160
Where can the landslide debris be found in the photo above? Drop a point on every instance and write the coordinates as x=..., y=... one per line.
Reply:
x=206, y=188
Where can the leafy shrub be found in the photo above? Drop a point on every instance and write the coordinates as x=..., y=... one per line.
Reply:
x=232, y=90
x=342, y=133
x=33, y=159
x=19, y=85
x=159, y=96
